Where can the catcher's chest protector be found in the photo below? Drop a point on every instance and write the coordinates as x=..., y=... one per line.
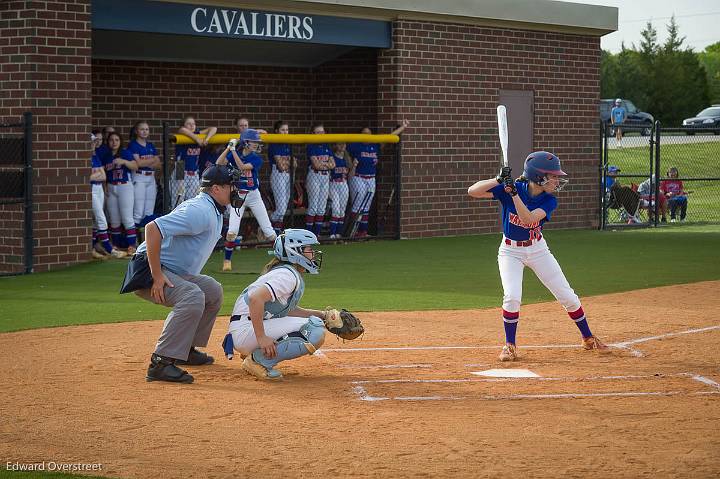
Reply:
x=275, y=309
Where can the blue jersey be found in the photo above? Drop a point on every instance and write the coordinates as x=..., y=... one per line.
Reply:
x=102, y=150
x=513, y=227
x=366, y=155
x=321, y=150
x=96, y=162
x=190, y=154
x=281, y=150
x=618, y=114
x=142, y=151
x=340, y=172
x=208, y=157
x=249, y=179
x=116, y=174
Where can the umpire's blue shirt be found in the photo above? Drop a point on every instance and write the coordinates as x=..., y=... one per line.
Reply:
x=189, y=234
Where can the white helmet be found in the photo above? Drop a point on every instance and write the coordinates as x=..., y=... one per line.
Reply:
x=289, y=247
x=618, y=101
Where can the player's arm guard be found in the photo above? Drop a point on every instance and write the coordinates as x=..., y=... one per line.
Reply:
x=343, y=324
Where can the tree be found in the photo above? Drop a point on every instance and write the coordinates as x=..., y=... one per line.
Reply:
x=666, y=80
x=710, y=60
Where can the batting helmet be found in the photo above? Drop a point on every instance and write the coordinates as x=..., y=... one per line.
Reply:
x=250, y=135
x=289, y=247
x=540, y=164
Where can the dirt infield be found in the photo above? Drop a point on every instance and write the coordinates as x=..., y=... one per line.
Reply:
x=402, y=402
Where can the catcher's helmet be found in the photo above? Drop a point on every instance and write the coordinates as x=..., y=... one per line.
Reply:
x=540, y=164
x=289, y=247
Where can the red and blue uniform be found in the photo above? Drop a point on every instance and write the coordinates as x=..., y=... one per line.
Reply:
x=279, y=183
x=338, y=195
x=120, y=199
x=362, y=185
x=318, y=184
x=513, y=228
x=190, y=154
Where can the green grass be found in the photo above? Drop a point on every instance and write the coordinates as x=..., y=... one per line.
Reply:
x=437, y=273
x=696, y=160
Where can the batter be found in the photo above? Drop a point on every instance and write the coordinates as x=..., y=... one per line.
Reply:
x=529, y=203
x=249, y=163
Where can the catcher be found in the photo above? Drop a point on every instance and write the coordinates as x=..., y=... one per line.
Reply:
x=267, y=326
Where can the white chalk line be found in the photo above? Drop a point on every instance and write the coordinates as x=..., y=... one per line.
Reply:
x=363, y=394
x=387, y=366
x=620, y=345
x=540, y=379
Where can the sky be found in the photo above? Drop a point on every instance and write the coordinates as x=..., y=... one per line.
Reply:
x=698, y=21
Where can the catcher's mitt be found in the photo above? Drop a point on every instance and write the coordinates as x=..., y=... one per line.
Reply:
x=343, y=323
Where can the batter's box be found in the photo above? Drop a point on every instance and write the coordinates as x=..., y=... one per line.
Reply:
x=492, y=389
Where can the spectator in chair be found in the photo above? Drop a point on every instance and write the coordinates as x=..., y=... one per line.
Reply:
x=674, y=191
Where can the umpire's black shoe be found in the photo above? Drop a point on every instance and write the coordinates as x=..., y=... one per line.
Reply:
x=164, y=369
x=196, y=358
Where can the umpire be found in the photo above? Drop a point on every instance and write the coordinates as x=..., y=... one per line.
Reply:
x=176, y=248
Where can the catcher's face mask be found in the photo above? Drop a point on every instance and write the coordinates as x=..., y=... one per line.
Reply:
x=314, y=256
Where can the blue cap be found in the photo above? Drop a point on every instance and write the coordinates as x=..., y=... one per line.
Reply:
x=613, y=169
x=217, y=175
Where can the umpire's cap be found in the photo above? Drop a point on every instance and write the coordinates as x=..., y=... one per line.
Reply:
x=217, y=175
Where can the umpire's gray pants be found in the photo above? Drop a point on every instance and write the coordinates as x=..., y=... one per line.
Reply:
x=196, y=301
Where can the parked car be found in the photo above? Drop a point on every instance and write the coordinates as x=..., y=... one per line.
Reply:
x=635, y=117
x=708, y=118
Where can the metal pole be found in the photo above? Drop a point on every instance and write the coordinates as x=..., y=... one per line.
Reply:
x=29, y=239
x=658, y=130
x=166, y=166
x=604, y=132
x=398, y=185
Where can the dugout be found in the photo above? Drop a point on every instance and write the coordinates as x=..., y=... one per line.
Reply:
x=80, y=64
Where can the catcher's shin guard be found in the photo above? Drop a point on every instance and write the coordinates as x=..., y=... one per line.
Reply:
x=305, y=341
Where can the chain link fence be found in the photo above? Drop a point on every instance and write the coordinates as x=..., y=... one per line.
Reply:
x=328, y=196
x=16, y=236
x=683, y=161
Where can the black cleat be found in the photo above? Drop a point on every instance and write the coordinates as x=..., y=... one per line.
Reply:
x=196, y=358
x=164, y=369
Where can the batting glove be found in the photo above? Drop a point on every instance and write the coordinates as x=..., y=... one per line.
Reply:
x=231, y=144
x=505, y=172
x=510, y=187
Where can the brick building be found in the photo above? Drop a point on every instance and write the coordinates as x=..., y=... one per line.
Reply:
x=80, y=64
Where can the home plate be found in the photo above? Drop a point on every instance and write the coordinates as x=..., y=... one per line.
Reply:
x=506, y=373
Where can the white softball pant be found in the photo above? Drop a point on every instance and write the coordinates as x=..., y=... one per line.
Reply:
x=359, y=187
x=98, y=206
x=254, y=201
x=318, y=186
x=512, y=261
x=280, y=184
x=243, y=334
x=120, y=203
x=339, y=198
x=145, y=193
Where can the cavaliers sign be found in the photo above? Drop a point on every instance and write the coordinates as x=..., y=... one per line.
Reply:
x=226, y=22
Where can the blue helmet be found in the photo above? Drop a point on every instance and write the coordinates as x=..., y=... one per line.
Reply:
x=251, y=135
x=540, y=164
x=289, y=247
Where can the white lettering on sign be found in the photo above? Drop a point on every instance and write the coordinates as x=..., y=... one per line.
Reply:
x=235, y=22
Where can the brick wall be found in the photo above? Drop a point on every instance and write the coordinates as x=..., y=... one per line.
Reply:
x=341, y=93
x=45, y=68
x=446, y=78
